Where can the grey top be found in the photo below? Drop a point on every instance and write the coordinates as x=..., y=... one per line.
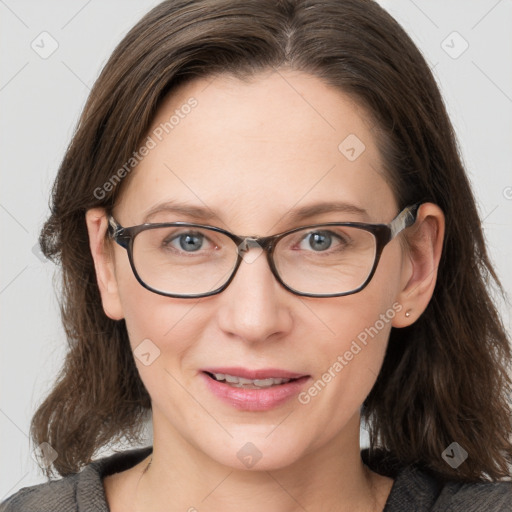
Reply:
x=413, y=490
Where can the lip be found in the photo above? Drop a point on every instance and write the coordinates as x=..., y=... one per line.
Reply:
x=255, y=399
x=264, y=373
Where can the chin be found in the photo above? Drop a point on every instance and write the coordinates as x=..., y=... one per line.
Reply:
x=258, y=452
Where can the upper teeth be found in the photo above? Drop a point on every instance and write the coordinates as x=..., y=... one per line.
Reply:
x=240, y=381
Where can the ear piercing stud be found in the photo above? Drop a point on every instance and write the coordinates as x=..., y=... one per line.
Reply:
x=408, y=313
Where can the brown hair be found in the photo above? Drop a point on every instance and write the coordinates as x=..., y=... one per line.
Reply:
x=444, y=378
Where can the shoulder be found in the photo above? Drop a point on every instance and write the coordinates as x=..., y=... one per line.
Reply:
x=420, y=490
x=79, y=492
x=55, y=495
x=468, y=497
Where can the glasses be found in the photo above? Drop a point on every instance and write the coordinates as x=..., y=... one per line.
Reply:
x=187, y=260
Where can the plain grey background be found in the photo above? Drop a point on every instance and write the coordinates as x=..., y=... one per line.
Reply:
x=468, y=44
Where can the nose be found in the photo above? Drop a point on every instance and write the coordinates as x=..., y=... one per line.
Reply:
x=255, y=307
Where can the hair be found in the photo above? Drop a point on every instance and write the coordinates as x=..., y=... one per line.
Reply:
x=444, y=378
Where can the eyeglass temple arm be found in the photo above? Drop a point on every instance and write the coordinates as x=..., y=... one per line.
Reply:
x=116, y=232
x=406, y=218
x=113, y=226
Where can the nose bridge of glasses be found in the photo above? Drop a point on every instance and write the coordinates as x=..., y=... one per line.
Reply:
x=254, y=242
x=248, y=243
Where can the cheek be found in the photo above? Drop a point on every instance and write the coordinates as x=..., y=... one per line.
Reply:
x=348, y=361
x=352, y=335
x=163, y=334
x=355, y=335
x=368, y=313
x=170, y=324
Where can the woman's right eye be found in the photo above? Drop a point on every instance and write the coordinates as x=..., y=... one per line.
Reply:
x=188, y=242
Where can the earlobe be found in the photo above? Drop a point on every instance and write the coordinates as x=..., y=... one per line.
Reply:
x=421, y=262
x=97, y=223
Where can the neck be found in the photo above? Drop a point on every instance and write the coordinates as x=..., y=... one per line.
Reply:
x=333, y=477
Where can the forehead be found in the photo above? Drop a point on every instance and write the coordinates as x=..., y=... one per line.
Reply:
x=253, y=149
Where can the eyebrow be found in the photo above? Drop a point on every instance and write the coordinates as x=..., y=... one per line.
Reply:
x=195, y=212
x=298, y=214
x=293, y=215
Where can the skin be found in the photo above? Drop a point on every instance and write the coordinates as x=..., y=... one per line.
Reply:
x=251, y=152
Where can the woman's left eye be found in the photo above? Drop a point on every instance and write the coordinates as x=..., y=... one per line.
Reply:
x=320, y=241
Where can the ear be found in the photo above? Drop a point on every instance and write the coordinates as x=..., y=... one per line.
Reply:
x=420, y=264
x=103, y=256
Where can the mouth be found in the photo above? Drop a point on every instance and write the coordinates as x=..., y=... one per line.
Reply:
x=253, y=390
x=242, y=382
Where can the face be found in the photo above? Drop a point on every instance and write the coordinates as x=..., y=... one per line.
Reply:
x=252, y=153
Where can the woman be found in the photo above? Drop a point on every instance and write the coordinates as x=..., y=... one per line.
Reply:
x=266, y=235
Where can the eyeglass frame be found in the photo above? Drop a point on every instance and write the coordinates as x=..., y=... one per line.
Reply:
x=383, y=233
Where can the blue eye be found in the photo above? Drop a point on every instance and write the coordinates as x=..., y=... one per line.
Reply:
x=188, y=242
x=319, y=241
